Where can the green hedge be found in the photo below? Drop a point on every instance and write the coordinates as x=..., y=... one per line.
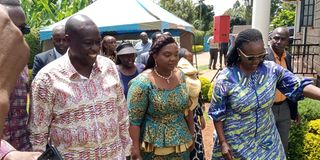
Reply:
x=304, y=139
x=34, y=43
x=205, y=85
x=197, y=48
x=199, y=37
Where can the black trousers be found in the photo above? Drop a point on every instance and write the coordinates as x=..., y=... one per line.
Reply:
x=213, y=57
x=223, y=53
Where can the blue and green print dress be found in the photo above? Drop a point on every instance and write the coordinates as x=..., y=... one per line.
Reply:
x=160, y=114
x=243, y=102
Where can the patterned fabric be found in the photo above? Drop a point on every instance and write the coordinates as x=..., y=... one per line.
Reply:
x=5, y=148
x=198, y=152
x=243, y=103
x=172, y=156
x=160, y=114
x=15, y=129
x=88, y=117
x=192, y=81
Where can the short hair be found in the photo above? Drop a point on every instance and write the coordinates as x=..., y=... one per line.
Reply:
x=182, y=52
x=246, y=36
x=10, y=2
x=154, y=36
x=57, y=28
x=104, y=41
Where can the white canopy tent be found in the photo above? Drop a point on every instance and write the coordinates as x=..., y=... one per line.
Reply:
x=126, y=19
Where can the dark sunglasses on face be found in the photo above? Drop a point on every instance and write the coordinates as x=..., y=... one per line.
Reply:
x=252, y=58
x=24, y=29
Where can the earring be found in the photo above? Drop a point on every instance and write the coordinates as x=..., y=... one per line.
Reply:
x=156, y=65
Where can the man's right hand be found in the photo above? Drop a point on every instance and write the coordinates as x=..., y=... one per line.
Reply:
x=17, y=155
x=135, y=153
x=226, y=151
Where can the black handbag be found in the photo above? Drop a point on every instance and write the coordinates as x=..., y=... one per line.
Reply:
x=51, y=153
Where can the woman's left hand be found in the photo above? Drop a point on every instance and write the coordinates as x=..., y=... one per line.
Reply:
x=191, y=148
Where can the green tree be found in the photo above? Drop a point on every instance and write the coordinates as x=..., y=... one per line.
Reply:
x=184, y=9
x=41, y=13
x=285, y=16
x=204, y=17
x=199, y=16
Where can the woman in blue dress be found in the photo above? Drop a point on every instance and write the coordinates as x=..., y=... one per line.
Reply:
x=243, y=95
x=161, y=124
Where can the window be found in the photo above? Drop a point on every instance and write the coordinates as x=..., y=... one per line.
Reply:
x=307, y=13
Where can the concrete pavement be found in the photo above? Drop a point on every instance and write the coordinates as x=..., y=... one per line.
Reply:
x=203, y=63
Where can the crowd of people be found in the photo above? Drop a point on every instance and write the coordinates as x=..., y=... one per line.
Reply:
x=94, y=98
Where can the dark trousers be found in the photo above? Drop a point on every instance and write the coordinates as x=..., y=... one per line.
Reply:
x=223, y=53
x=213, y=57
x=282, y=118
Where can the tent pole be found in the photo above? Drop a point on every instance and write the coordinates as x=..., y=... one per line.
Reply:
x=195, y=52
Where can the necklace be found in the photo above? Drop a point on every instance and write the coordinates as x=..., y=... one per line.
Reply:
x=166, y=78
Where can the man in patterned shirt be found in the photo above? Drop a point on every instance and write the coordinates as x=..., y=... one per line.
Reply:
x=78, y=101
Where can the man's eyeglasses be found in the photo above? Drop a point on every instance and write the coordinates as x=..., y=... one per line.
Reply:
x=252, y=58
x=24, y=29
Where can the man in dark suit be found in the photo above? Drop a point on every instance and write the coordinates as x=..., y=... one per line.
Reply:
x=60, y=47
x=283, y=109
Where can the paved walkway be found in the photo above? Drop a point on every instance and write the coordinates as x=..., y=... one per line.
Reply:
x=203, y=61
x=207, y=133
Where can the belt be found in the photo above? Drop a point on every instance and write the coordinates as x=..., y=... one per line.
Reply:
x=278, y=103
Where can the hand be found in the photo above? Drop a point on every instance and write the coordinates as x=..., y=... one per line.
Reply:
x=17, y=155
x=135, y=153
x=203, y=122
x=191, y=148
x=297, y=120
x=226, y=151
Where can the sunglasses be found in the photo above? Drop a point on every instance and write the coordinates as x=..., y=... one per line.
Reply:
x=252, y=58
x=24, y=29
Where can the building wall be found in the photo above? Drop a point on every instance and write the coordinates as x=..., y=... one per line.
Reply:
x=313, y=36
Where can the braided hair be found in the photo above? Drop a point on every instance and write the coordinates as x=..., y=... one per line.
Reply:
x=158, y=44
x=246, y=36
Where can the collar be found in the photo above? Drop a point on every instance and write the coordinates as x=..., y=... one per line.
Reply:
x=277, y=56
x=72, y=73
x=57, y=54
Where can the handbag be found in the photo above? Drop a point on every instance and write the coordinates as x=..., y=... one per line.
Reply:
x=51, y=153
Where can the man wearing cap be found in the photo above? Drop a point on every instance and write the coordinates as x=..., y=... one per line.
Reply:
x=127, y=69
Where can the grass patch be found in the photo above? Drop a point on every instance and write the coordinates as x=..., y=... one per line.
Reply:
x=202, y=68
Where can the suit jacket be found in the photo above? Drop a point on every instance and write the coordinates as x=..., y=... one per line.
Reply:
x=42, y=59
x=293, y=106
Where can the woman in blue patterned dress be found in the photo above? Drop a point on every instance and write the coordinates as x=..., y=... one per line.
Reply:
x=243, y=95
x=161, y=124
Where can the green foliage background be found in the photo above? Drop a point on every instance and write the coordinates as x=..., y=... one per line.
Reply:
x=285, y=16
x=304, y=138
x=41, y=13
x=205, y=85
